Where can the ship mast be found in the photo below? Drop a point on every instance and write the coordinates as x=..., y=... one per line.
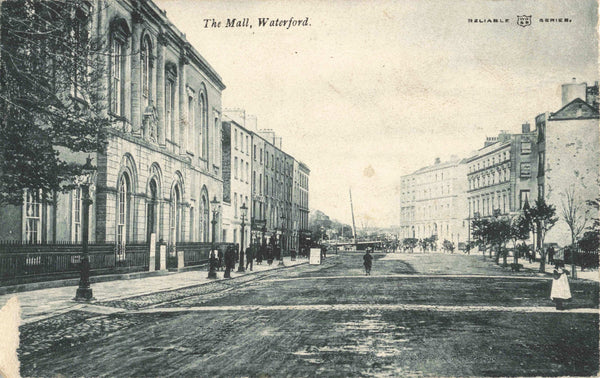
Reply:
x=353, y=224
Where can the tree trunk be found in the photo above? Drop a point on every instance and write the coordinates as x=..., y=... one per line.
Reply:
x=504, y=257
x=497, y=257
x=515, y=254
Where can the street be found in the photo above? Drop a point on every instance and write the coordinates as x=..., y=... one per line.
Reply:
x=417, y=314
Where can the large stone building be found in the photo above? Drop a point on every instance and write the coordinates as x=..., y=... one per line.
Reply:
x=175, y=169
x=162, y=164
x=502, y=175
x=569, y=155
x=433, y=202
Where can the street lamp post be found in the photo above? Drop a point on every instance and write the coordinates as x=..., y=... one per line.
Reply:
x=84, y=291
x=212, y=262
x=244, y=213
x=282, y=240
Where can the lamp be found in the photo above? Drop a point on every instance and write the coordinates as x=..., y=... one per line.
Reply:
x=244, y=212
x=85, y=181
x=216, y=207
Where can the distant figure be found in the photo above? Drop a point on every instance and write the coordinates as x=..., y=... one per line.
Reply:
x=249, y=257
x=561, y=291
x=229, y=261
x=220, y=253
x=368, y=261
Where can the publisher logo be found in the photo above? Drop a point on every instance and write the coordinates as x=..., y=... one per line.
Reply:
x=523, y=21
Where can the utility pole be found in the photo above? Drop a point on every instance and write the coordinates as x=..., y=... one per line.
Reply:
x=353, y=224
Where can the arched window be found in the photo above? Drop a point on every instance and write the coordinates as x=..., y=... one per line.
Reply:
x=123, y=190
x=146, y=57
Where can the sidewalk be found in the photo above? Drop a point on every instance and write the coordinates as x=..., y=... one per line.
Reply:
x=588, y=274
x=40, y=304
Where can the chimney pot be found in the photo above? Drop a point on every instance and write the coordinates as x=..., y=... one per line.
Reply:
x=574, y=80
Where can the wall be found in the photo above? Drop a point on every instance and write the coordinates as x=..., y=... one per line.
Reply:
x=572, y=161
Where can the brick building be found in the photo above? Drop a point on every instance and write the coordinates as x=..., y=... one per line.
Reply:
x=237, y=182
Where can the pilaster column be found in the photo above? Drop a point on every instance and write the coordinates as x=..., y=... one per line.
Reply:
x=183, y=61
x=136, y=113
x=160, y=87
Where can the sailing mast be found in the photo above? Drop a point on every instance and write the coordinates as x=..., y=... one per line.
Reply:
x=353, y=224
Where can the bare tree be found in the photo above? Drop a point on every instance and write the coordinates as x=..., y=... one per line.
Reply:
x=574, y=213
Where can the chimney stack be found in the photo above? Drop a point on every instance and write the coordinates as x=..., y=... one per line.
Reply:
x=525, y=128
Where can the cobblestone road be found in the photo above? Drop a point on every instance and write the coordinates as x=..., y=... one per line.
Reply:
x=366, y=326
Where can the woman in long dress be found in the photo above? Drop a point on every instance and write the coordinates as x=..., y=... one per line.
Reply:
x=561, y=291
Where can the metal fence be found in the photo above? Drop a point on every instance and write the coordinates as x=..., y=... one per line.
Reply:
x=49, y=261
x=35, y=262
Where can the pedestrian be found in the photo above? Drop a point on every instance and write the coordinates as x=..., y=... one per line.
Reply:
x=561, y=291
x=249, y=257
x=367, y=261
x=551, y=253
x=229, y=261
x=220, y=259
x=260, y=253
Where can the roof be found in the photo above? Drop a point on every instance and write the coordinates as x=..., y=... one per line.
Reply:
x=576, y=109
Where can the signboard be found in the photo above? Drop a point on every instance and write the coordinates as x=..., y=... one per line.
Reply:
x=315, y=256
x=152, y=263
x=258, y=224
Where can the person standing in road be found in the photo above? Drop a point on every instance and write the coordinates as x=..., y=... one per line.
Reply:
x=561, y=291
x=367, y=261
x=249, y=257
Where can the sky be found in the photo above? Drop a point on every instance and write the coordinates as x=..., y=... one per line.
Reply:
x=369, y=91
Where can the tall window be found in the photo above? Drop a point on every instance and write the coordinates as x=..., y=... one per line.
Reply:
x=235, y=167
x=523, y=196
x=541, y=163
x=247, y=172
x=122, y=215
x=146, y=57
x=80, y=34
x=76, y=215
x=33, y=216
x=170, y=80
x=202, y=113
x=190, y=121
x=235, y=206
x=169, y=100
x=175, y=216
x=247, y=146
x=117, y=47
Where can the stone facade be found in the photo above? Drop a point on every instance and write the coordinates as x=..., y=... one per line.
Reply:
x=162, y=164
x=432, y=202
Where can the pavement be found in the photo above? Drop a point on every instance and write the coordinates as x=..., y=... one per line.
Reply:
x=415, y=315
x=40, y=304
x=529, y=267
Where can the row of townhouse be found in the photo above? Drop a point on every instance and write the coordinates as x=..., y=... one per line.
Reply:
x=560, y=155
x=166, y=164
x=271, y=184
